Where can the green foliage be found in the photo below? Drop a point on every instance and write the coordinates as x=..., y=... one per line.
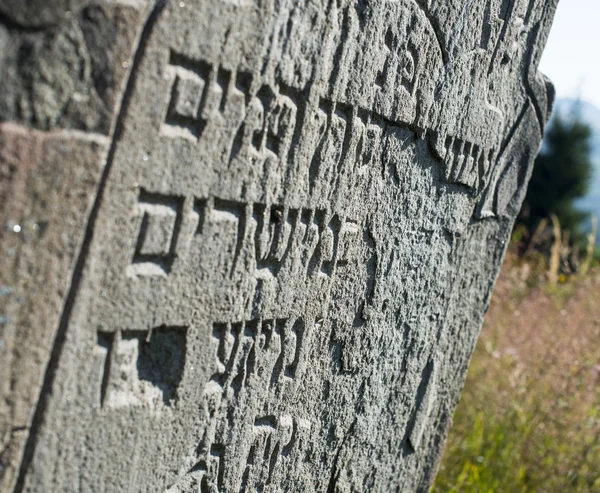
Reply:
x=488, y=455
x=529, y=416
x=561, y=174
x=516, y=446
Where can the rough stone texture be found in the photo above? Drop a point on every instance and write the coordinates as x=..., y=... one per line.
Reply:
x=248, y=244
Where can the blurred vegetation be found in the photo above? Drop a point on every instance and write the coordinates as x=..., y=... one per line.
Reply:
x=529, y=415
x=562, y=174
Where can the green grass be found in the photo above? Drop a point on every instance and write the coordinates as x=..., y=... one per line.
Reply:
x=529, y=416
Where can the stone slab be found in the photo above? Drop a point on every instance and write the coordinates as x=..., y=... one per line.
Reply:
x=278, y=277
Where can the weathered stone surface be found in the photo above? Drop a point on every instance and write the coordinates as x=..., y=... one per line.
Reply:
x=249, y=244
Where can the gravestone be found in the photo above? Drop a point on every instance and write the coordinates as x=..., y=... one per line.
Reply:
x=248, y=245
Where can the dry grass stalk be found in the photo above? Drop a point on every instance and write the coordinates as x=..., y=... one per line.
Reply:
x=555, y=251
x=585, y=266
x=537, y=235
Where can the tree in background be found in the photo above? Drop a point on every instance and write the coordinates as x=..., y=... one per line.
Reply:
x=561, y=174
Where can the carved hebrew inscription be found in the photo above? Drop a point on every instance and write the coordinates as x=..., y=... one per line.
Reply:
x=258, y=363
x=141, y=367
x=269, y=122
x=399, y=72
x=465, y=163
x=278, y=236
x=272, y=119
x=314, y=234
x=297, y=160
x=420, y=415
x=201, y=94
x=160, y=222
x=197, y=96
x=312, y=240
x=272, y=439
x=269, y=350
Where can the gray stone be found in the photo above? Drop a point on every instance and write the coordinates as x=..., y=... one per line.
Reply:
x=248, y=245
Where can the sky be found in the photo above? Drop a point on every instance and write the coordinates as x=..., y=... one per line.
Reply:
x=572, y=55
